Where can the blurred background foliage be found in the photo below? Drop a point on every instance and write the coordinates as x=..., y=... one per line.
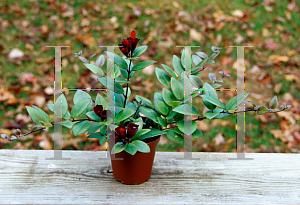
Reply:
x=272, y=64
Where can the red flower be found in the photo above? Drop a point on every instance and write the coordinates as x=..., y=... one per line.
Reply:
x=128, y=45
x=122, y=136
x=98, y=109
x=131, y=129
x=121, y=131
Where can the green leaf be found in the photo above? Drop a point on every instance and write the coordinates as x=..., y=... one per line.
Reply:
x=94, y=127
x=273, y=103
x=177, y=88
x=169, y=70
x=171, y=115
x=211, y=115
x=187, y=127
x=139, y=133
x=196, y=59
x=162, y=121
x=80, y=95
x=139, y=50
x=219, y=80
x=235, y=101
x=212, y=77
x=210, y=62
x=197, y=134
x=121, y=80
x=61, y=101
x=124, y=114
x=202, y=55
x=199, y=65
x=196, y=81
x=110, y=84
x=95, y=69
x=46, y=124
x=100, y=101
x=118, y=60
x=186, y=84
x=131, y=148
x=67, y=115
x=161, y=107
x=158, y=96
x=180, y=109
x=93, y=116
x=216, y=85
x=42, y=112
x=262, y=110
x=142, y=65
x=162, y=76
x=98, y=135
x=141, y=146
x=79, y=107
x=183, y=58
x=178, y=131
x=208, y=90
x=177, y=65
x=152, y=133
x=36, y=125
x=139, y=122
x=168, y=96
x=80, y=127
x=144, y=100
x=100, y=61
x=50, y=106
x=67, y=124
x=118, y=147
x=35, y=115
x=149, y=113
x=174, y=103
x=213, y=100
x=172, y=136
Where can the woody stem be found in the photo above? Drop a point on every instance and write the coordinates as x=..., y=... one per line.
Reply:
x=128, y=71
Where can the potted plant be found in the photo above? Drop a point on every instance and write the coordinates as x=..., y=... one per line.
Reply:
x=133, y=129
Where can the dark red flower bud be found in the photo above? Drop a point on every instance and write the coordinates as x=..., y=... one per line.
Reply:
x=118, y=139
x=125, y=49
x=133, y=42
x=133, y=34
x=98, y=109
x=121, y=131
x=128, y=45
x=104, y=114
x=131, y=129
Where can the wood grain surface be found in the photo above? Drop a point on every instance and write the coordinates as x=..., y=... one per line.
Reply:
x=27, y=178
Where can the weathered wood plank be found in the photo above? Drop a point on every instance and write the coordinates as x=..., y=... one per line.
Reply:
x=27, y=178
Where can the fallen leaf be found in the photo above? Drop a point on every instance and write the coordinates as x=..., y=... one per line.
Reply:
x=238, y=13
x=15, y=53
x=219, y=139
x=195, y=35
x=277, y=58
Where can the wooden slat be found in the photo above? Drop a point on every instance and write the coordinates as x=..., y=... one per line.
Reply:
x=27, y=178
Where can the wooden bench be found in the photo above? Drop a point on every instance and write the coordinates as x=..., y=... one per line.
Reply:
x=27, y=178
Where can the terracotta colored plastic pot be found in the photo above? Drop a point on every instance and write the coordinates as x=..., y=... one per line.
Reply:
x=133, y=169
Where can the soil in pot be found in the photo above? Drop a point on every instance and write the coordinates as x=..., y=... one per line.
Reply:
x=134, y=169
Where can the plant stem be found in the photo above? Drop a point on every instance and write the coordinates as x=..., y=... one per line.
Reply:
x=128, y=71
x=32, y=132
